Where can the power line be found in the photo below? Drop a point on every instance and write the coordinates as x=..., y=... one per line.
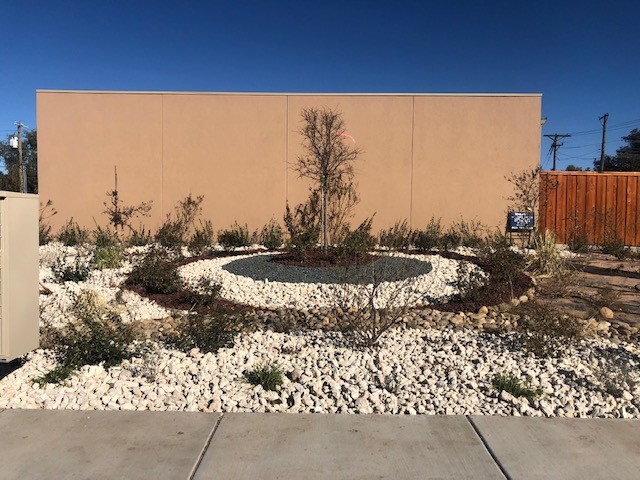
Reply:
x=555, y=145
x=617, y=126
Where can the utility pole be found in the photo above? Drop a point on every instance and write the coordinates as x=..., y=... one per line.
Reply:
x=604, y=134
x=555, y=145
x=22, y=171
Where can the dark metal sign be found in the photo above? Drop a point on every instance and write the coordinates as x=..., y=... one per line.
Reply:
x=520, y=222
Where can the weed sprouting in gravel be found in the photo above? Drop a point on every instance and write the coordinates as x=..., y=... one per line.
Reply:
x=269, y=376
x=511, y=384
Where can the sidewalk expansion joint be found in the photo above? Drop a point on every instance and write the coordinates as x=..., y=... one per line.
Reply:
x=488, y=448
x=205, y=448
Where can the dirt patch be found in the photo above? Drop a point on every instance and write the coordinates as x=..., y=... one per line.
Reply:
x=597, y=280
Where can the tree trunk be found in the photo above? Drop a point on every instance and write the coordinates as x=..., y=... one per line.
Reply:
x=325, y=241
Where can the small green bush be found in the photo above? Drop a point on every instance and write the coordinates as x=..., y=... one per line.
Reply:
x=498, y=259
x=209, y=333
x=271, y=235
x=356, y=242
x=202, y=237
x=398, y=237
x=174, y=230
x=269, y=375
x=78, y=271
x=303, y=228
x=237, y=236
x=614, y=245
x=511, y=384
x=171, y=233
x=546, y=332
x=107, y=257
x=463, y=234
x=578, y=242
x=140, y=237
x=71, y=234
x=97, y=336
x=156, y=273
x=429, y=238
x=104, y=237
x=468, y=281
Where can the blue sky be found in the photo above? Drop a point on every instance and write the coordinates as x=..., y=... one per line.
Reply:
x=581, y=55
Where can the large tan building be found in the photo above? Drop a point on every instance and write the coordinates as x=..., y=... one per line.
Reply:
x=424, y=155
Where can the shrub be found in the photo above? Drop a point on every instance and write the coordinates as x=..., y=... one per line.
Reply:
x=119, y=214
x=269, y=375
x=303, y=229
x=140, y=237
x=547, y=261
x=173, y=232
x=104, y=237
x=398, y=237
x=205, y=293
x=498, y=259
x=202, y=237
x=107, y=257
x=77, y=271
x=578, y=241
x=613, y=244
x=44, y=229
x=206, y=332
x=356, y=242
x=468, y=281
x=511, y=384
x=156, y=273
x=462, y=233
x=544, y=331
x=97, y=336
x=429, y=238
x=237, y=236
x=271, y=235
x=71, y=234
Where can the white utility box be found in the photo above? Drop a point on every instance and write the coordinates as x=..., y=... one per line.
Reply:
x=19, y=274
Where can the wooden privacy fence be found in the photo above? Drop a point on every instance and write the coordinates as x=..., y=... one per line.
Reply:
x=596, y=205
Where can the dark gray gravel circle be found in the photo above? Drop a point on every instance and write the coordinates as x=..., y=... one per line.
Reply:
x=386, y=269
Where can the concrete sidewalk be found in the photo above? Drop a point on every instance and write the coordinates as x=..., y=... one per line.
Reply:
x=175, y=445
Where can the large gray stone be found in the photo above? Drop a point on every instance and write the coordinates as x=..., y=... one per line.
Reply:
x=567, y=448
x=308, y=446
x=101, y=445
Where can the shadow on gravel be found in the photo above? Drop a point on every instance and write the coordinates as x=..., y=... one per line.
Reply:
x=9, y=367
x=386, y=269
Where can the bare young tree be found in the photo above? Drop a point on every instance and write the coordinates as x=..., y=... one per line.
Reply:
x=380, y=299
x=120, y=215
x=328, y=156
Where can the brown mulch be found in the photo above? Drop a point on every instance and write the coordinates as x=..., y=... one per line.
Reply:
x=182, y=301
x=316, y=258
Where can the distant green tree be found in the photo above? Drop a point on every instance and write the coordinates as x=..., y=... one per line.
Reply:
x=9, y=176
x=627, y=157
x=574, y=168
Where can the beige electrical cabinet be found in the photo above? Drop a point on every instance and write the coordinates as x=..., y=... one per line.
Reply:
x=19, y=265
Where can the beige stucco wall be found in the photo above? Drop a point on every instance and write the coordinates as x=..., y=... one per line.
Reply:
x=423, y=155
